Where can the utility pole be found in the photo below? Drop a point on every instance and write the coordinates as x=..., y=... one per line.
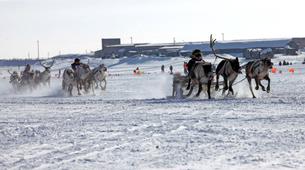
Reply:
x=37, y=49
x=131, y=41
x=174, y=40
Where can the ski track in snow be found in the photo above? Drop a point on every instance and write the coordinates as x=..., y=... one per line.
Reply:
x=132, y=125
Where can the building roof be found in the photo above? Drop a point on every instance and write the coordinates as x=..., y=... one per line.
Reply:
x=171, y=47
x=160, y=44
x=245, y=44
x=298, y=42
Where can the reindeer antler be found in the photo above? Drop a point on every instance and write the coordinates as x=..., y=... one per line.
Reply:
x=9, y=72
x=43, y=65
x=212, y=44
x=52, y=63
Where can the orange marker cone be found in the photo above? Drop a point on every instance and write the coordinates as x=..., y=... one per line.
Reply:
x=273, y=70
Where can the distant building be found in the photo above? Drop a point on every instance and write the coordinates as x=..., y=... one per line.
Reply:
x=112, y=48
x=110, y=41
x=114, y=51
x=171, y=51
x=234, y=47
x=297, y=43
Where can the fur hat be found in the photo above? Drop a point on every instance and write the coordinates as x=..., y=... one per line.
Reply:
x=76, y=60
x=196, y=52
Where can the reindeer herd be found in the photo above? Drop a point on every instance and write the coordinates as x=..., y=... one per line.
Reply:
x=29, y=79
x=80, y=78
x=84, y=78
x=229, y=69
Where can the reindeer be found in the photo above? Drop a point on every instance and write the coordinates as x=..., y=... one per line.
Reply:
x=37, y=77
x=258, y=70
x=45, y=76
x=84, y=78
x=227, y=68
x=68, y=80
x=202, y=74
x=27, y=78
x=14, y=79
x=99, y=76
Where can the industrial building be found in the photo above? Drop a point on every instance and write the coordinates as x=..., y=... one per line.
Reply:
x=112, y=48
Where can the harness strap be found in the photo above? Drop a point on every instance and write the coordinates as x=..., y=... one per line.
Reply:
x=223, y=67
x=236, y=82
x=255, y=65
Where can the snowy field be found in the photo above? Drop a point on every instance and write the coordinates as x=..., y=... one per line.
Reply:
x=134, y=125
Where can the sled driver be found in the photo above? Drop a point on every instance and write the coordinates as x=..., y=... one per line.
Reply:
x=196, y=57
x=26, y=74
x=76, y=64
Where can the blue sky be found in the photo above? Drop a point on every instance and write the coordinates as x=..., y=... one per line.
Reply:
x=76, y=26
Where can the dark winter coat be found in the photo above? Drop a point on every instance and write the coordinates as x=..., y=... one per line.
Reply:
x=73, y=65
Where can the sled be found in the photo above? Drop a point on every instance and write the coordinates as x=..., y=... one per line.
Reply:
x=180, y=83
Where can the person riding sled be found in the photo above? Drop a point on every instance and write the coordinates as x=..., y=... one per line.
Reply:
x=76, y=64
x=27, y=73
x=196, y=58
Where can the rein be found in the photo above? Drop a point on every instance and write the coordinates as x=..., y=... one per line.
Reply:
x=237, y=82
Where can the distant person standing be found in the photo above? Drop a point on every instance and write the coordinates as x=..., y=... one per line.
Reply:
x=162, y=68
x=171, y=69
x=137, y=71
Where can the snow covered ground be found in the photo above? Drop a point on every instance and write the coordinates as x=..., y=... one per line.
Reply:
x=133, y=125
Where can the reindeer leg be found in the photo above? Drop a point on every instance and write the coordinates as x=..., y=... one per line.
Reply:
x=63, y=85
x=96, y=84
x=230, y=87
x=92, y=87
x=217, y=83
x=104, y=88
x=174, y=90
x=260, y=83
x=70, y=88
x=256, y=83
x=78, y=88
x=250, y=86
x=191, y=90
x=189, y=84
x=209, y=88
x=225, y=88
x=268, y=87
x=199, y=89
x=101, y=85
x=80, y=85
